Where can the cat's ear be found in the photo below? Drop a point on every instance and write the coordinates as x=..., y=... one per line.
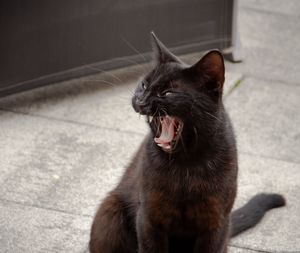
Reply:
x=161, y=53
x=212, y=66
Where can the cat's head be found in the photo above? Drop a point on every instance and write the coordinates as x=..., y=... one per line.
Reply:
x=181, y=102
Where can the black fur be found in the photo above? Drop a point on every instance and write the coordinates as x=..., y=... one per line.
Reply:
x=178, y=197
x=250, y=214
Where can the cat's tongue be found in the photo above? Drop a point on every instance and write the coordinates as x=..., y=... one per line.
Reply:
x=167, y=130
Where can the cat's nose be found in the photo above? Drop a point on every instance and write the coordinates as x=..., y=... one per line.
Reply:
x=139, y=105
x=142, y=105
x=140, y=102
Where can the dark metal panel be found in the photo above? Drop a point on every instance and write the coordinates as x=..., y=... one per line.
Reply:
x=45, y=41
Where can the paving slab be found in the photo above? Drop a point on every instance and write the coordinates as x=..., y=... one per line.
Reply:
x=266, y=118
x=289, y=7
x=60, y=165
x=279, y=229
x=37, y=230
x=100, y=100
x=81, y=189
x=54, y=163
x=232, y=249
x=270, y=42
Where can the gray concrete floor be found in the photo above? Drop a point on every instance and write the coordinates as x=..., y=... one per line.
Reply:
x=64, y=146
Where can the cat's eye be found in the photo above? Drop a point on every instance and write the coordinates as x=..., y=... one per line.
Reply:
x=144, y=85
x=164, y=94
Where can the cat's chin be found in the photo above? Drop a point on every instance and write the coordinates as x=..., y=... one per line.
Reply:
x=167, y=131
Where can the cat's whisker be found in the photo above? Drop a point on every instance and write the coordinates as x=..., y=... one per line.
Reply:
x=196, y=134
x=183, y=146
x=155, y=121
x=171, y=82
x=187, y=176
x=101, y=81
x=212, y=116
x=134, y=49
x=109, y=83
x=164, y=111
x=145, y=69
x=104, y=72
x=154, y=114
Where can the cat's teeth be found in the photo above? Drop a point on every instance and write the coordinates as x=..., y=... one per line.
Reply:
x=150, y=118
x=159, y=144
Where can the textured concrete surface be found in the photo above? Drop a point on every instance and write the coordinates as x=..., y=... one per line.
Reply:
x=33, y=229
x=63, y=147
x=270, y=38
x=235, y=249
x=270, y=120
x=60, y=165
x=279, y=230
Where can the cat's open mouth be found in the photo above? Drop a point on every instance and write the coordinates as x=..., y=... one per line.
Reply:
x=168, y=131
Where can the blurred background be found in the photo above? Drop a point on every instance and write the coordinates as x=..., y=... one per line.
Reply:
x=56, y=40
x=67, y=129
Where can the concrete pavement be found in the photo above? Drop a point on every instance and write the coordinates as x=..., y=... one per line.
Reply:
x=64, y=146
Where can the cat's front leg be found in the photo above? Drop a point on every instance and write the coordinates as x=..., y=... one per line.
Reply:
x=151, y=238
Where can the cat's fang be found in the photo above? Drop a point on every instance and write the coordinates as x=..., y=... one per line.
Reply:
x=150, y=118
x=167, y=147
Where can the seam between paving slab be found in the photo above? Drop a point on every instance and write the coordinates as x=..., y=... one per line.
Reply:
x=44, y=208
x=268, y=12
x=269, y=157
x=90, y=216
x=263, y=78
x=137, y=133
x=249, y=248
x=86, y=215
x=71, y=122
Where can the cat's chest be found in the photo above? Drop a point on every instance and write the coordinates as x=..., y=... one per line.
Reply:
x=184, y=182
x=177, y=213
x=184, y=200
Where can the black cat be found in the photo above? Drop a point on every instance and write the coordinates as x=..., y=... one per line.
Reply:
x=179, y=189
